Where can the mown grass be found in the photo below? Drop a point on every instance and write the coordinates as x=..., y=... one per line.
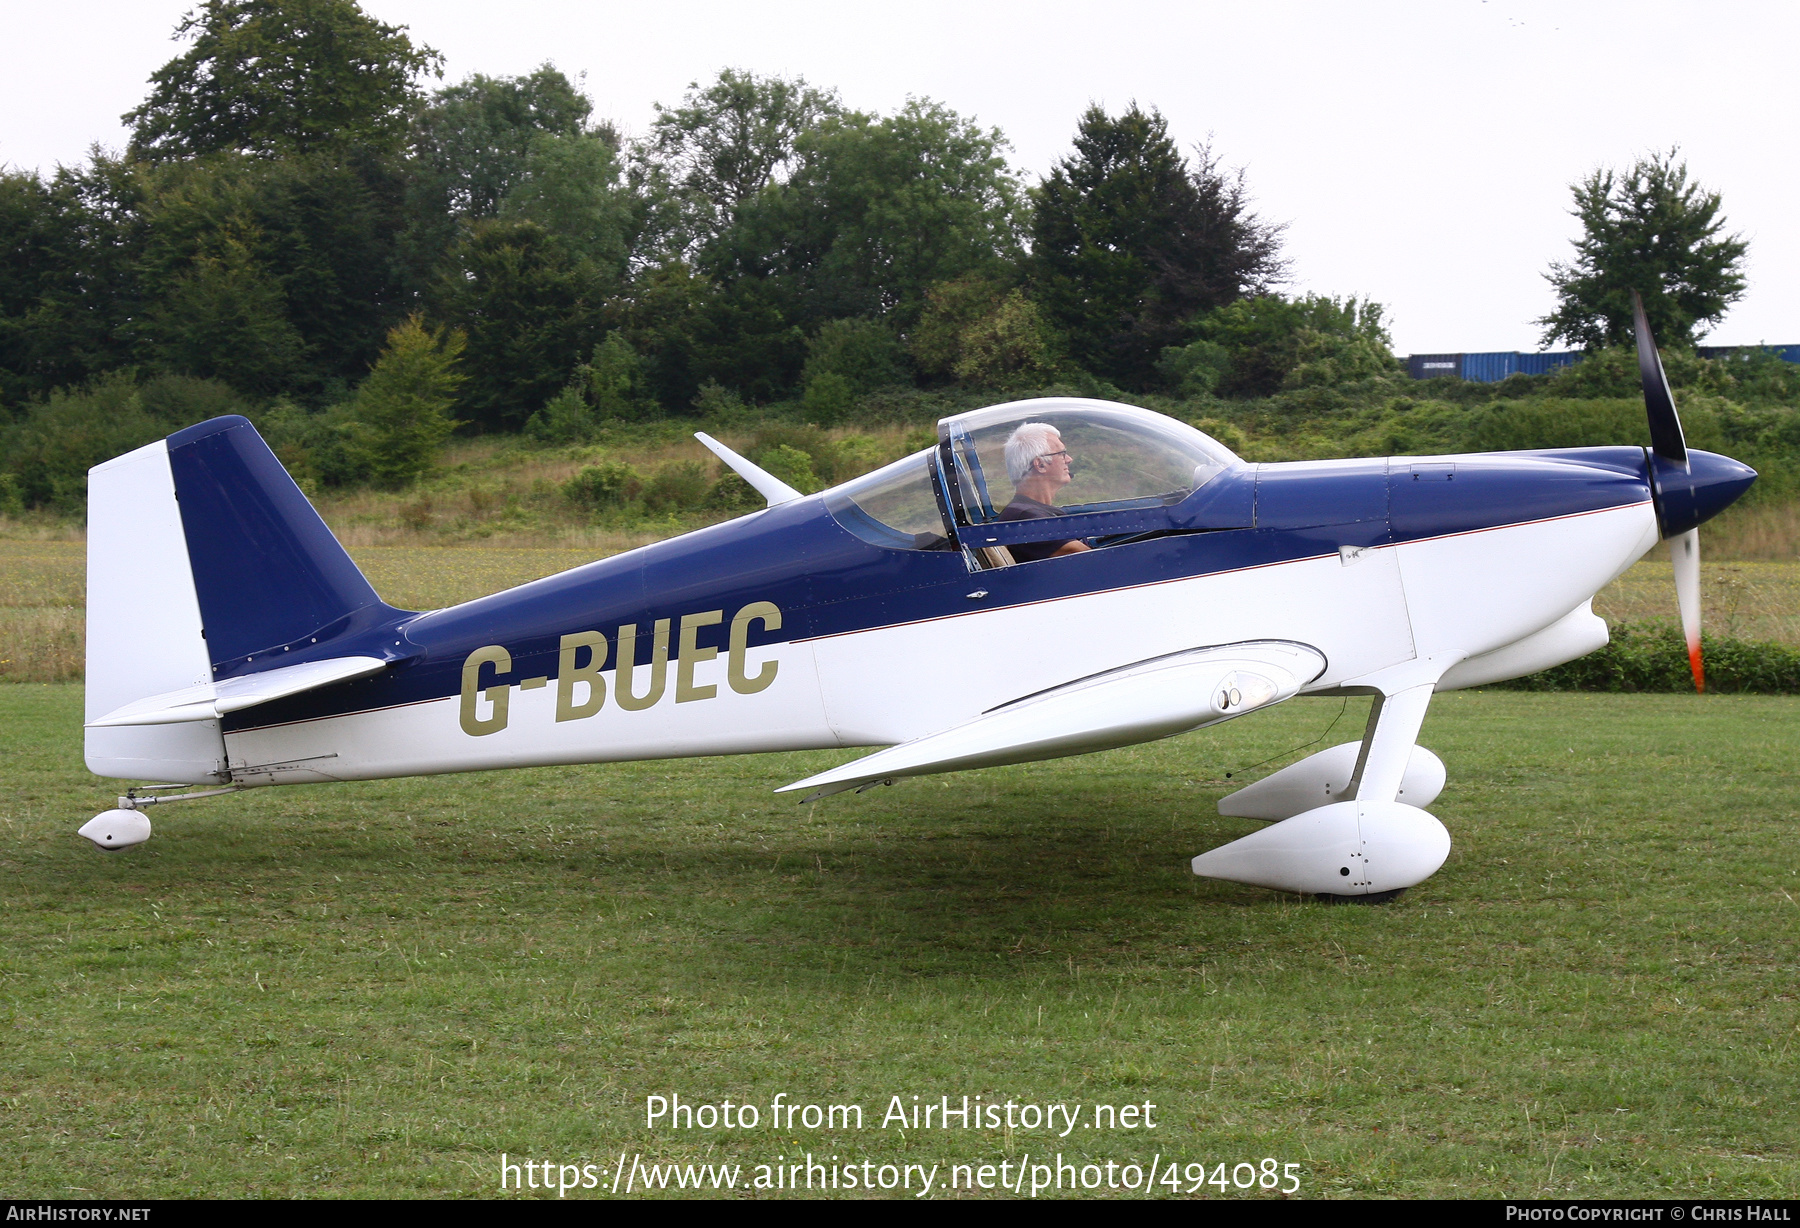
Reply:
x=376, y=989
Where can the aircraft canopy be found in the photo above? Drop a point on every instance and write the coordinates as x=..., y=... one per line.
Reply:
x=1121, y=456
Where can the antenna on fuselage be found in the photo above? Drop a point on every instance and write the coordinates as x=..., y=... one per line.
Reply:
x=767, y=484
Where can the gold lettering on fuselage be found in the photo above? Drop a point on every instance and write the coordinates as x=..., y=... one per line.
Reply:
x=473, y=723
x=692, y=654
x=627, y=666
x=573, y=672
x=770, y=616
x=568, y=674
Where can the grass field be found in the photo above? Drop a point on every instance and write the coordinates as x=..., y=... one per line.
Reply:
x=376, y=989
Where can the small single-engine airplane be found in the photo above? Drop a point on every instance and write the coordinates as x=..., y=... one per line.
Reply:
x=1054, y=577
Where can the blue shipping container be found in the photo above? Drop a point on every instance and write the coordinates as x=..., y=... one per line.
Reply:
x=1432, y=366
x=1497, y=365
x=1490, y=368
x=1543, y=364
x=1787, y=353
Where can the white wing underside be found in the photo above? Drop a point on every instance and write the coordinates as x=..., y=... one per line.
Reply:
x=1142, y=702
x=211, y=700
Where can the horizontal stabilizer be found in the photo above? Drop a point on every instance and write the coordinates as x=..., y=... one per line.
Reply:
x=1137, y=703
x=211, y=700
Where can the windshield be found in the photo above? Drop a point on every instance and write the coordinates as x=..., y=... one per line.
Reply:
x=895, y=507
x=1118, y=456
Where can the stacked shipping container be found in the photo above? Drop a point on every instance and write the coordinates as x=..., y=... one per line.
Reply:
x=1497, y=365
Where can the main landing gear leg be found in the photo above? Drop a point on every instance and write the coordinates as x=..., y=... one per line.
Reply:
x=1368, y=847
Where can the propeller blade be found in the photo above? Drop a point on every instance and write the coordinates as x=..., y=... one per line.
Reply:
x=1666, y=439
x=1684, y=550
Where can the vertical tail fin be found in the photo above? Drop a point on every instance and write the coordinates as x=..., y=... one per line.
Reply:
x=205, y=561
x=268, y=575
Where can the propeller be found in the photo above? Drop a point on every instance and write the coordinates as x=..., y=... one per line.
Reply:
x=1670, y=445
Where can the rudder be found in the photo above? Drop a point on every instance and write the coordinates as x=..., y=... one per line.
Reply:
x=206, y=562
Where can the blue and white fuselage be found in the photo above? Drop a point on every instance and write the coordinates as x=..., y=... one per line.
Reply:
x=817, y=623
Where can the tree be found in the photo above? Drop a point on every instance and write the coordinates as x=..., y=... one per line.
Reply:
x=225, y=318
x=1652, y=231
x=281, y=76
x=393, y=427
x=879, y=211
x=723, y=146
x=863, y=353
x=983, y=333
x=277, y=275
x=477, y=136
x=1269, y=342
x=571, y=186
x=69, y=298
x=531, y=309
x=40, y=251
x=1130, y=244
x=48, y=452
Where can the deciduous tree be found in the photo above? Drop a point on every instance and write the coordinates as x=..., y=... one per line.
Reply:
x=531, y=309
x=723, y=145
x=477, y=136
x=1652, y=231
x=882, y=209
x=281, y=76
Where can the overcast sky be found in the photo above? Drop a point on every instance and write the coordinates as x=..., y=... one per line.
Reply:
x=1420, y=153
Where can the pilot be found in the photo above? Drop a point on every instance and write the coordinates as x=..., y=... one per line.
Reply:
x=1039, y=466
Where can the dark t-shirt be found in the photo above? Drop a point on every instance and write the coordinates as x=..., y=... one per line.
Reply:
x=1022, y=508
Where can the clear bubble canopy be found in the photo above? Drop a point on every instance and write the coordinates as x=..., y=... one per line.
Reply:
x=1120, y=457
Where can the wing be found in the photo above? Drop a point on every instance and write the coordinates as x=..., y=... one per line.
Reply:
x=1135, y=703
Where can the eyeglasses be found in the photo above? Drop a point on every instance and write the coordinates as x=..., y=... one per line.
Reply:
x=1047, y=455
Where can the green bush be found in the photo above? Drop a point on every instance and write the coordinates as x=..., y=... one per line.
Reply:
x=828, y=400
x=1195, y=369
x=49, y=451
x=864, y=353
x=678, y=486
x=46, y=453
x=732, y=494
x=611, y=483
x=182, y=400
x=565, y=419
x=1652, y=657
x=614, y=383
x=807, y=438
x=792, y=466
x=1273, y=342
x=717, y=403
x=305, y=444
x=1557, y=422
